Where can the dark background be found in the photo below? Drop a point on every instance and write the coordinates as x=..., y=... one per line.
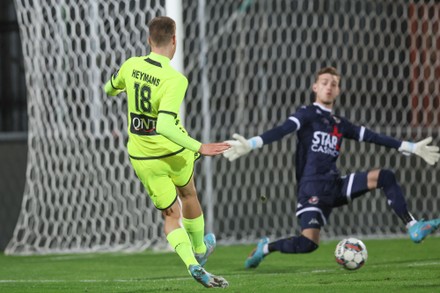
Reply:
x=13, y=122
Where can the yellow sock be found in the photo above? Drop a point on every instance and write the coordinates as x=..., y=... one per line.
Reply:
x=179, y=240
x=196, y=231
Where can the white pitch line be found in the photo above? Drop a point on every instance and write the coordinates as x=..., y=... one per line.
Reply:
x=91, y=281
x=417, y=264
x=185, y=278
x=141, y=280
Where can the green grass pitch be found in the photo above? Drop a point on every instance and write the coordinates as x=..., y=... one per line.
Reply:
x=394, y=265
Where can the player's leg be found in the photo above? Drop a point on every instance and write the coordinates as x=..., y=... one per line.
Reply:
x=307, y=242
x=193, y=220
x=311, y=223
x=386, y=180
x=154, y=175
x=182, y=167
x=194, y=223
x=417, y=230
x=293, y=244
x=257, y=254
x=357, y=184
x=179, y=239
x=312, y=217
x=176, y=234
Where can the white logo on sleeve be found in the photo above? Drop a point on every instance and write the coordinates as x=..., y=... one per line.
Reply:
x=314, y=221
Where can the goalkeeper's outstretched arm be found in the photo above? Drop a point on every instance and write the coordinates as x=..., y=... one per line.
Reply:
x=427, y=152
x=241, y=146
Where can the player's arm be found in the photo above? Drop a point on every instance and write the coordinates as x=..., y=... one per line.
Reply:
x=166, y=120
x=116, y=84
x=166, y=126
x=429, y=153
x=169, y=107
x=241, y=146
x=367, y=135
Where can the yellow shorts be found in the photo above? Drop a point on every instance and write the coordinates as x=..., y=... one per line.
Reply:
x=161, y=176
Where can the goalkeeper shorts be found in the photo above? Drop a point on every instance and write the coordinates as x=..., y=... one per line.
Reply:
x=321, y=196
x=161, y=176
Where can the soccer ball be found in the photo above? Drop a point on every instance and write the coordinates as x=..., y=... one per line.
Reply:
x=351, y=253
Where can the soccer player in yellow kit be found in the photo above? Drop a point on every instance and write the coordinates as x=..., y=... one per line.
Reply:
x=161, y=151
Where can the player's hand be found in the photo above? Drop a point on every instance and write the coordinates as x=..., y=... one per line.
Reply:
x=215, y=148
x=427, y=152
x=239, y=147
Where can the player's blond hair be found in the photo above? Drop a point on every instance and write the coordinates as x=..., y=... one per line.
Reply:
x=162, y=29
x=330, y=70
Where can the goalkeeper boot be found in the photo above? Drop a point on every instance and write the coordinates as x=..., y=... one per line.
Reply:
x=256, y=255
x=210, y=246
x=421, y=229
x=206, y=279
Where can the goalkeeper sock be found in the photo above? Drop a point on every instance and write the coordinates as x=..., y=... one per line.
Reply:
x=179, y=240
x=196, y=231
x=294, y=244
x=393, y=192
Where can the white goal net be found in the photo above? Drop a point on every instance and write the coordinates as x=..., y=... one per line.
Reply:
x=250, y=64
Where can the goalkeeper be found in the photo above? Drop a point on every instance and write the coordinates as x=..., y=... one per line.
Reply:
x=161, y=151
x=320, y=185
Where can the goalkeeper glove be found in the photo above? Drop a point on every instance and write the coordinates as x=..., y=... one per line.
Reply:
x=241, y=146
x=427, y=152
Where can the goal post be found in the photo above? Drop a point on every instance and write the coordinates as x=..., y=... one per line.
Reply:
x=81, y=194
x=250, y=64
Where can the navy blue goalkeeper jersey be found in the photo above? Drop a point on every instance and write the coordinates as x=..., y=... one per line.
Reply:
x=320, y=134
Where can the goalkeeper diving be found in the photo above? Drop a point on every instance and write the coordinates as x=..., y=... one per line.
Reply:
x=320, y=186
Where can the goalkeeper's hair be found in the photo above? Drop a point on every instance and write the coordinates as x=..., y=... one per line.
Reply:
x=331, y=70
x=162, y=29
